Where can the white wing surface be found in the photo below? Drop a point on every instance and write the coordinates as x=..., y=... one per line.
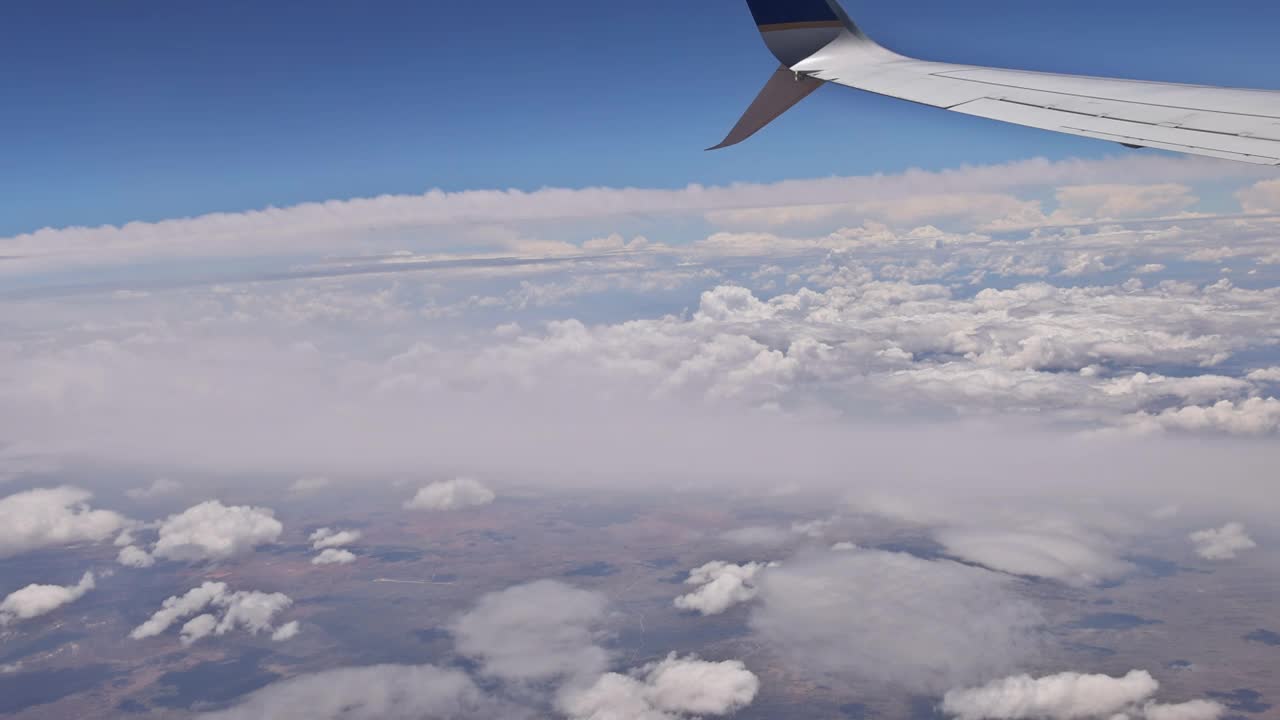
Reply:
x=1218, y=122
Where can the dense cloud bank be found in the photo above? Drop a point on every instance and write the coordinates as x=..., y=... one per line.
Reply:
x=1029, y=371
x=1075, y=299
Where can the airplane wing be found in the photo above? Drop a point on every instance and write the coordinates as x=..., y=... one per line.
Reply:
x=817, y=42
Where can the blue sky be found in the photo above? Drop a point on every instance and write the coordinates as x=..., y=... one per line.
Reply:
x=146, y=110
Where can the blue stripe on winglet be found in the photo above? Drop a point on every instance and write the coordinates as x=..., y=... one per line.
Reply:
x=781, y=12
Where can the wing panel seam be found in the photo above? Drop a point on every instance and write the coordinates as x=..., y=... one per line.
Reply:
x=1164, y=144
x=1122, y=119
x=947, y=75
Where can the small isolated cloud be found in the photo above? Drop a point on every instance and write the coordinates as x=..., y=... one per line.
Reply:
x=380, y=692
x=1224, y=543
x=309, y=484
x=451, y=495
x=218, y=611
x=135, y=557
x=33, y=601
x=212, y=531
x=159, y=488
x=1068, y=559
x=334, y=556
x=329, y=538
x=51, y=518
x=721, y=586
x=668, y=690
x=330, y=542
x=1072, y=696
x=895, y=619
x=287, y=631
x=541, y=631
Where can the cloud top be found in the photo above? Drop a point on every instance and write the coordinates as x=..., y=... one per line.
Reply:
x=209, y=531
x=541, y=631
x=456, y=494
x=1224, y=543
x=34, y=601
x=670, y=689
x=894, y=619
x=721, y=586
x=214, y=609
x=43, y=518
x=1072, y=696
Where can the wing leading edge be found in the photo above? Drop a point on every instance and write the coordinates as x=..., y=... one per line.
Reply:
x=816, y=40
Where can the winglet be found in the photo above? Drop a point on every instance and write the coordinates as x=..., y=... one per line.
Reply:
x=784, y=89
x=795, y=29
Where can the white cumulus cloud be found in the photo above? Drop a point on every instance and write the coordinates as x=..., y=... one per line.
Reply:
x=544, y=630
x=895, y=619
x=329, y=538
x=52, y=517
x=1266, y=375
x=287, y=631
x=721, y=586
x=671, y=689
x=451, y=495
x=334, y=556
x=135, y=557
x=1223, y=543
x=1072, y=696
x=33, y=601
x=213, y=531
x=218, y=611
x=179, y=607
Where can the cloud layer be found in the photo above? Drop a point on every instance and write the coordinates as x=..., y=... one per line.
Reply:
x=377, y=222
